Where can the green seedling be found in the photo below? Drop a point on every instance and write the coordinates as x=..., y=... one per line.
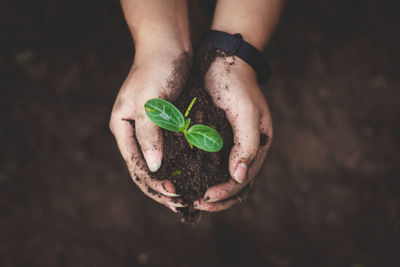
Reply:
x=168, y=117
x=175, y=173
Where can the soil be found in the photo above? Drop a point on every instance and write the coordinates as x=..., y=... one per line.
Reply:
x=199, y=169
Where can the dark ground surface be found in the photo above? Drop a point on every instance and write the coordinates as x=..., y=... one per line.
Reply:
x=328, y=194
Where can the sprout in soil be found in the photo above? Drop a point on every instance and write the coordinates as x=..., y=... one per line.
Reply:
x=175, y=173
x=167, y=116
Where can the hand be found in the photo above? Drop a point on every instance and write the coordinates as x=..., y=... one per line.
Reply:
x=232, y=84
x=161, y=74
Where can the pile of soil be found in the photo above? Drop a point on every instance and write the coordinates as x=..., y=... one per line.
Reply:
x=199, y=169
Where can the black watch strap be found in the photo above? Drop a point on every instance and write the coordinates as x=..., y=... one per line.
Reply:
x=233, y=44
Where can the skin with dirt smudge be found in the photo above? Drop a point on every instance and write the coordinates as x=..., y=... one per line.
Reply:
x=130, y=125
x=230, y=81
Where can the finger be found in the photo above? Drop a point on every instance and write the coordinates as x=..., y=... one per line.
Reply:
x=231, y=188
x=160, y=198
x=266, y=127
x=150, y=139
x=223, y=191
x=245, y=123
x=123, y=132
x=172, y=204
x=265, y=144
x=225, y=204
x=217, y=206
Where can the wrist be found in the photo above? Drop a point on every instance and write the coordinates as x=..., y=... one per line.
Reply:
x=161, y=50
x=232, y=69
x=254, y=20
x=160, y=38
x=158, y=25
x=253, y=39
x=235, y=68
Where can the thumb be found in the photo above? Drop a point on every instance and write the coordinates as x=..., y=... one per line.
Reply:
x=150, y=139
x=246, y=142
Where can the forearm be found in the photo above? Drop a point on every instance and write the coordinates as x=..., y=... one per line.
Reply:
x=255, y=20
x=157, y=25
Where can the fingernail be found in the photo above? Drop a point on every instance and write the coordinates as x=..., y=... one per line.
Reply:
x=201, y=207
x=240, y=172
x=176, y=204
x=168, y=194
x=153, y=159
x=197, y=206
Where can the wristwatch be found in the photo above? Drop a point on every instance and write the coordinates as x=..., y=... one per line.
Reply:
x=233, y=44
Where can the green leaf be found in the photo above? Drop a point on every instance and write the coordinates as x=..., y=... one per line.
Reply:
x=178, y=172
x=204, y=137
x=164, y=114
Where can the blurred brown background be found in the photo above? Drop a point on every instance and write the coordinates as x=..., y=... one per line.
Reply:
x=328, y=195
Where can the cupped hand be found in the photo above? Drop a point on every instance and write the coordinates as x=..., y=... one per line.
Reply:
x=161, y=76
x=233, y=87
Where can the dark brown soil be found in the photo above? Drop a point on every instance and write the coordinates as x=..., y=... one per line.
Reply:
x=328, y=194
x=199, y=169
